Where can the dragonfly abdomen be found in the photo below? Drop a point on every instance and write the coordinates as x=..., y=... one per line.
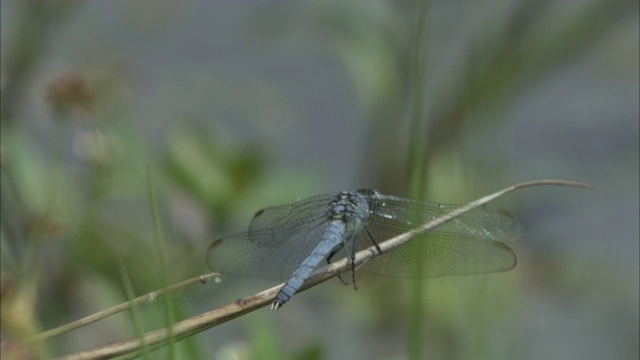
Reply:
x=333, y=236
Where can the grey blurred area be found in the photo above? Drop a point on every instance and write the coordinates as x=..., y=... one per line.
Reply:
x=238, y=105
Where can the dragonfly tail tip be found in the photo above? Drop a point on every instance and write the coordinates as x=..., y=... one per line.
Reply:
x=276, y=305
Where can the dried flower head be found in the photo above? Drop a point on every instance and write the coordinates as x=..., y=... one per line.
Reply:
x=71, y=93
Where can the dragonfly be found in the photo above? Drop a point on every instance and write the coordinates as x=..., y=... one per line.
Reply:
x=290, y=242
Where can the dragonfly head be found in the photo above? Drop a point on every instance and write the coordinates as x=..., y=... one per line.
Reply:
x=369, y=192
x=373, y=197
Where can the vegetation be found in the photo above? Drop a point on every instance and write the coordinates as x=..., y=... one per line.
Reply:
x=100, y=205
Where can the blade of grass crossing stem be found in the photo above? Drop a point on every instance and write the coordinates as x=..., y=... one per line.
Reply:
x=134, y=311
x=169, y=301
x=418, y=164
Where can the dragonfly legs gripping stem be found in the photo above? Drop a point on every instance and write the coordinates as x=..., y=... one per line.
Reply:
x=331, y=255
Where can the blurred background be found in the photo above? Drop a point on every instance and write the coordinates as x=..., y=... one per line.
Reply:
x=233, y=106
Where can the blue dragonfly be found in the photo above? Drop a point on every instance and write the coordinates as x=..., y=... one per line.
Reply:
x=289, y=242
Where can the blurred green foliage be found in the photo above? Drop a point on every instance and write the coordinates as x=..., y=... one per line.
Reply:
x=208, y=168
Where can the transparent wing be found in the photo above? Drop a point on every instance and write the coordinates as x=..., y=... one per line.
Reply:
x=301, y=210
x=278, y=240
x=469, y=244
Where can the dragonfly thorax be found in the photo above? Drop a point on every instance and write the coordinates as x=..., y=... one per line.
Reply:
x=349, y=207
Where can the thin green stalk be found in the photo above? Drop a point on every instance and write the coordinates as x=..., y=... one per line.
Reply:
x=417, y=154
x=418, y=164
x=135, y=312
x=164, y=278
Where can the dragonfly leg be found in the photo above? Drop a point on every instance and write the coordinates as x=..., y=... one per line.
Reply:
x=343, y=281
x=373, y=241
x=354, y=250
x=330, y=256
x=334, y=252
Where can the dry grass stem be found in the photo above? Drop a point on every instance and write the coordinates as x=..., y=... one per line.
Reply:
x=147, y=298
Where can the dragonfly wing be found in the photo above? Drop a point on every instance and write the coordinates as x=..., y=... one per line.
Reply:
x=397, y=215
x=279, y=239
x=284, y=215
x=443, y=254
x=469, y=244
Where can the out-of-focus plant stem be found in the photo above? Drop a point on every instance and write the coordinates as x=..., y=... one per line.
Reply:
x=36, y=25
x=418, y=161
